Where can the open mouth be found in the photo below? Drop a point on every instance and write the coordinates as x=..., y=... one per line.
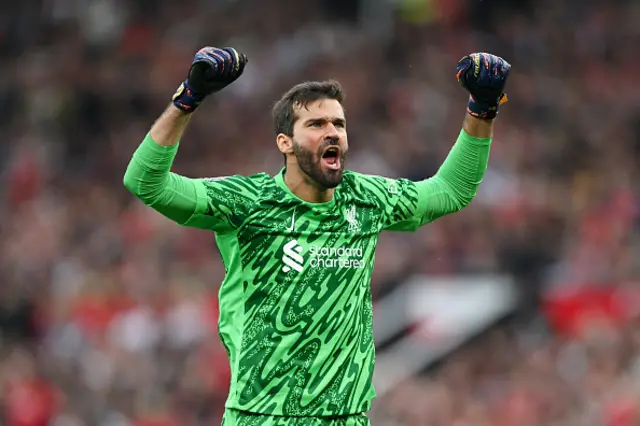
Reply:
x=331, y=158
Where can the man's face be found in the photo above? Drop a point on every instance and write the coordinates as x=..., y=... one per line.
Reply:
x=320, y=141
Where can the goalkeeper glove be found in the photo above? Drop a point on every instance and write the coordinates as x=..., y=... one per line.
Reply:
x=212, y=70
x=484, y=76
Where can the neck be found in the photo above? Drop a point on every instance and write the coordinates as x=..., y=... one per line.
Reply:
x=305, y=188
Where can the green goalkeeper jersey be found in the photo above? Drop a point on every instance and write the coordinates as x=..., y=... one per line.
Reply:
x=295, y=306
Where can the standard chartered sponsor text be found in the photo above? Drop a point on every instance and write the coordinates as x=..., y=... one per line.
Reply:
x=336, y=257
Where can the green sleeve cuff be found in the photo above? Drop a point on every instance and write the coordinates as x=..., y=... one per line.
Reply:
x=467, y=138
x=149, y=146
x=153, y=158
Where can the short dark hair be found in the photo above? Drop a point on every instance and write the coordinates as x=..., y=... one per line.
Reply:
x=301, y=95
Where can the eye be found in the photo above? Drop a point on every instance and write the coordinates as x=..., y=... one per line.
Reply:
x=316, y=124
x=339, y=124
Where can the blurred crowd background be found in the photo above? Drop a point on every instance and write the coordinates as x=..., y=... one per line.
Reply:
x=108, y=311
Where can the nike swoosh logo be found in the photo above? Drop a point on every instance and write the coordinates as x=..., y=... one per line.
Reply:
x=293, y=222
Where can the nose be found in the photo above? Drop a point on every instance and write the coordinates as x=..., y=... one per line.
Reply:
x=332, y=133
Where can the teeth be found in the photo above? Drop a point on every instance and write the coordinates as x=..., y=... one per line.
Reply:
x=333, y=166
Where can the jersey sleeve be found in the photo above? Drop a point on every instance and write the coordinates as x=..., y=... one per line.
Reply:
x=224, y=202
x=406, y=205
x=399, y=204
x=219, y=204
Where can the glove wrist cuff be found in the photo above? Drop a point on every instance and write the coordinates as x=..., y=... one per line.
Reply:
x=485, y=110
x=186, y=99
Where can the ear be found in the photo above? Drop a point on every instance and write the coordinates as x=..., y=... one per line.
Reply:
x=285, y=143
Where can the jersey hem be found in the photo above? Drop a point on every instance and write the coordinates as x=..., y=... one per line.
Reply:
x=231, y=406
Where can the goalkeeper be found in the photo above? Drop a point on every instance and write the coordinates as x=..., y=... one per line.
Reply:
x=298, y=247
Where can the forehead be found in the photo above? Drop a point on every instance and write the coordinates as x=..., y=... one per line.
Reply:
x=322, y=108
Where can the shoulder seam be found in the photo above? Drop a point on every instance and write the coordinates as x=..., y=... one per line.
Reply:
x=261, y=182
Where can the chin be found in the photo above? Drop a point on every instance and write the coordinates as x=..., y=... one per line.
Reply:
x=333, y=180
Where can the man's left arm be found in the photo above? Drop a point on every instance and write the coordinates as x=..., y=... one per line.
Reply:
x=455, y=184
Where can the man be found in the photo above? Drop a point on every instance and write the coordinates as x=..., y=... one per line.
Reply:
x=295, y=306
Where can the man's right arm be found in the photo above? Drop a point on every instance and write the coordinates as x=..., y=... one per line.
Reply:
x=191, y=202
x=148, y=175
x=218, y=204
x=169, y=127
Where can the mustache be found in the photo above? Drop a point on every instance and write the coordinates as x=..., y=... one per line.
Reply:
x=329, y=143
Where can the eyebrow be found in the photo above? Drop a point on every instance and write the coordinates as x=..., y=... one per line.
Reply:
x=326, y=119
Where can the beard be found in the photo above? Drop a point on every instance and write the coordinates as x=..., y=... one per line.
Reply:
x=311, y=164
